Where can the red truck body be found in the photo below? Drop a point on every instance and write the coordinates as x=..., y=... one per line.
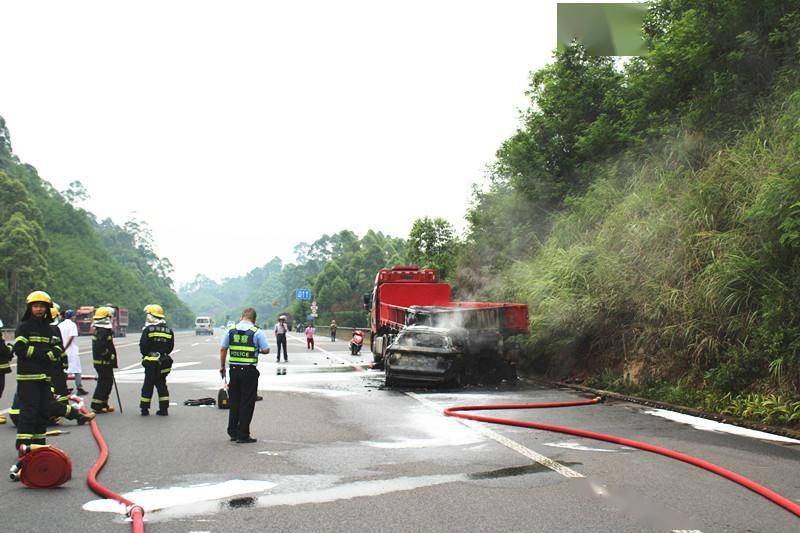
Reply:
x=85, y=315
x=405, y=295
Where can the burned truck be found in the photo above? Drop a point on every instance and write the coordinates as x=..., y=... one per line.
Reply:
x=420, y=335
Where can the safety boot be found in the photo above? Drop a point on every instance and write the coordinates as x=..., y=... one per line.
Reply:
x=162, y=412
x=84, y=418
x=145, y=412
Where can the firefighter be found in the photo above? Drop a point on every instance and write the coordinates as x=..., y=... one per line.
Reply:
x=58, y=379
x=5, y=368
x=59, y=403
x=104, y=356
x=35, y=348
x=156, y=344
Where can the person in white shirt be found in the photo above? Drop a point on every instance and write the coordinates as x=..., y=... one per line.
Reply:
x=69, y=334
x=281, y=329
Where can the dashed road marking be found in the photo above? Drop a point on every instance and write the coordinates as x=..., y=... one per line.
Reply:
x=505, y=441
x=331, y=354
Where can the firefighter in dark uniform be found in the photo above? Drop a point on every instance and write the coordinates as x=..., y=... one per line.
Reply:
x=5, y=368
x=245, y=341
x=155, y=345
x=104, y=356
x=58, y=378
x=36, y=349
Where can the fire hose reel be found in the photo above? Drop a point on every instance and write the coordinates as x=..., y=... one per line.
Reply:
x=42, y=467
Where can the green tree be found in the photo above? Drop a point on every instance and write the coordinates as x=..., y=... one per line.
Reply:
x=433, y=243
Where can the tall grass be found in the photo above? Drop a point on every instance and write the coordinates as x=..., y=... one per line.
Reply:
x=684, y=259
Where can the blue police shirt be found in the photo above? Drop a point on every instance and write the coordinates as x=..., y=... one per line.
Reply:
x=260, y=338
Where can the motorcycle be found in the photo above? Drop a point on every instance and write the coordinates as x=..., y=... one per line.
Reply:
x=356, y=343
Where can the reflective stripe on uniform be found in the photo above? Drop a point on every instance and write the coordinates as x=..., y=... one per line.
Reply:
x=245, y=360
x=3, y=366
x=21, y=339
x=24, y=436
x=163, y=398
x=37, y=338
x=159, y=334
x=31, y=377
x=166, y=370
x=144, y=400
x=13, y=411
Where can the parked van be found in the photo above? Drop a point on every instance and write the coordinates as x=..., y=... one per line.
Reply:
x=203, y=325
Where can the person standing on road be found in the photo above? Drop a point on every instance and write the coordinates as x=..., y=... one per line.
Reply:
x=310, y=337
x=155, y=345
x=245, y=342
x=36, y=348
x=5, y=367
x=104, y=356
x=333, y=330
x=281, y=329
x=69, y=335
x=58, y=379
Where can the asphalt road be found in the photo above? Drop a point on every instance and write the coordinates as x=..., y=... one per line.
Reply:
x=337, y=452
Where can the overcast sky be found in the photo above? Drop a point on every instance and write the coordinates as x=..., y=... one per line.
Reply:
x=238, y=129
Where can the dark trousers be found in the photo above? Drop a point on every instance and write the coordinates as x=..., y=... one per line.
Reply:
x=280, y=339
x=105, y=380
x=58, y=379
x=34, y=410
x=242, y=392
x=310, y=343
x=333, y=335
x=154, y=377
x=2, y=384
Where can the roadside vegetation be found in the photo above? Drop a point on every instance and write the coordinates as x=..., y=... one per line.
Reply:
x=48, y=242
x=649, y=214
x=337, y=268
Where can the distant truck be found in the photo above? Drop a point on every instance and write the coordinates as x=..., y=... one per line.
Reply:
x=84, y=317
x=203, y=325
x=419, y=334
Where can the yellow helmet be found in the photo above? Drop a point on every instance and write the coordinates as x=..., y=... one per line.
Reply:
x=102, y=312
x=39, y=296
x=55, y=311
x=155, y=310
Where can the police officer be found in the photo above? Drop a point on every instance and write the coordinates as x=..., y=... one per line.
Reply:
x=156, y=344
x=244, y=341
x=104, y=356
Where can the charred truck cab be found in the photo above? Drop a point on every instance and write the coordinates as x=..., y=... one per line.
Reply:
x=432, y=339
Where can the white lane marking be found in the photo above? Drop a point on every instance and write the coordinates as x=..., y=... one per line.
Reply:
x=4, y=411
x=572, y=445
x=195, y=344
x=331, y=354
x=505, y=441
x=686, y=531
x=705, y=424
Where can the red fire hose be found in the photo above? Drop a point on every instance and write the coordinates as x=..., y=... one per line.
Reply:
x=769, y=494
x=134, y=511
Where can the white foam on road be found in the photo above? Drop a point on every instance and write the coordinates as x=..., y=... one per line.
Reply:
x=705, y=424
x=156, y=499
x=358, y=489
x=427, y=429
